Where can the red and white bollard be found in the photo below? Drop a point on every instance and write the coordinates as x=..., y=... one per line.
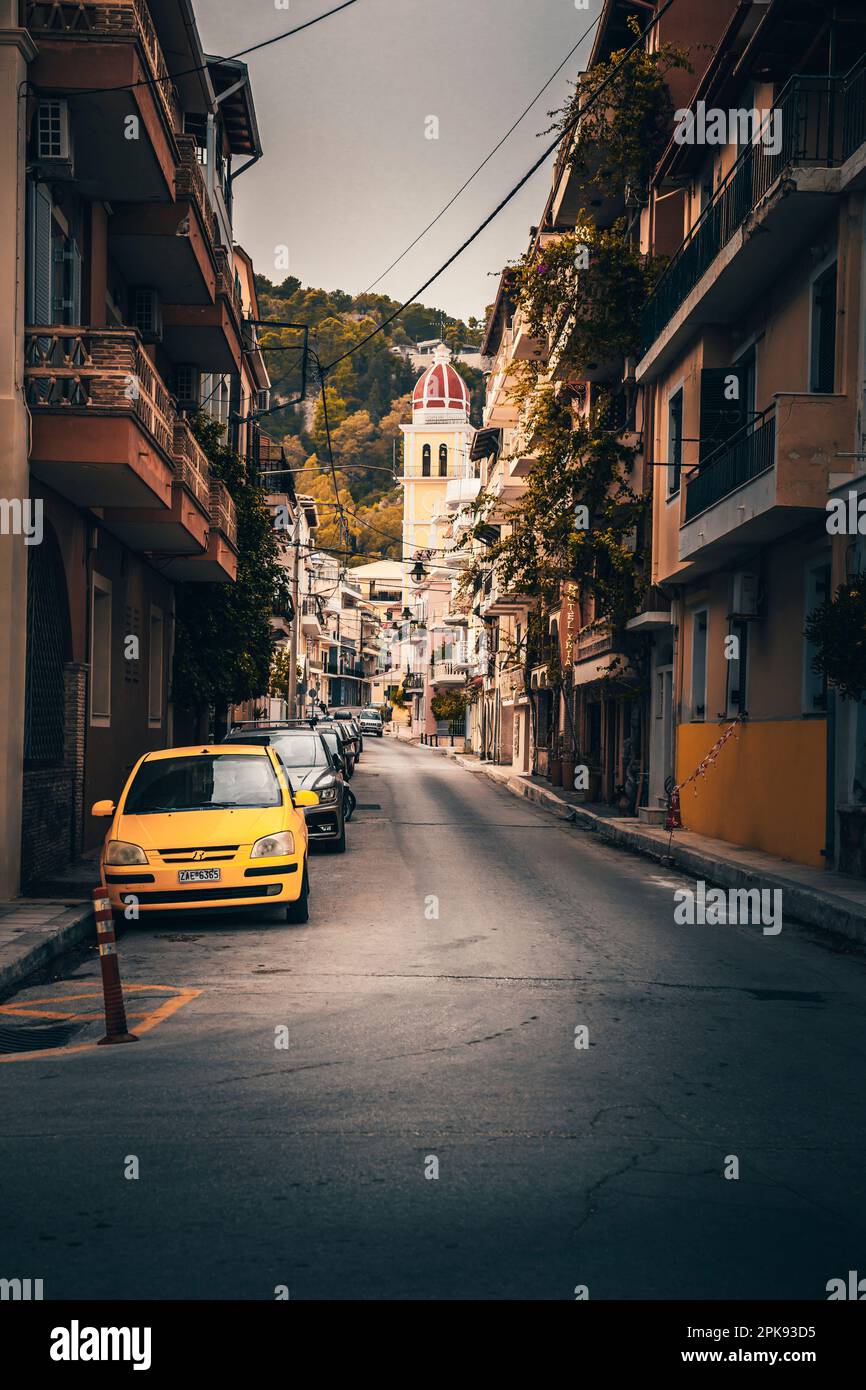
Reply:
x=115, y=1013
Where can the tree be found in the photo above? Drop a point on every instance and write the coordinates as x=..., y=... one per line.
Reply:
x=224, y=638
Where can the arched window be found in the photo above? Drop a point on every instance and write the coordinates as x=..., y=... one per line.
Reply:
x=425, y=461
x=443, y=460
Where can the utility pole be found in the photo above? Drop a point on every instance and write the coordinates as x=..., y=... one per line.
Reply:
x=296, y=619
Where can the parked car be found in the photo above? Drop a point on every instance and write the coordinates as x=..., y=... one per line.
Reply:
x=208, y=827
x=347, y=740
x=346, y=717
x=310, y=765
x=371, y=722
x=336, y=746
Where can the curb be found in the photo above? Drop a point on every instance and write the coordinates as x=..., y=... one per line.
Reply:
x=36, y=947
x=823, y=909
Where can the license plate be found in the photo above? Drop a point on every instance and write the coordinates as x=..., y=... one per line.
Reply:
x=197, y=875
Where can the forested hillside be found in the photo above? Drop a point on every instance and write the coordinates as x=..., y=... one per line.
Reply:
x=368, y=398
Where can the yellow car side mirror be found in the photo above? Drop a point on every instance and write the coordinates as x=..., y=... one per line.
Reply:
x=306, y=798
x=102, y=808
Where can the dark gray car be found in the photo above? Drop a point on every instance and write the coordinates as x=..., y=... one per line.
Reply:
x=310, y=767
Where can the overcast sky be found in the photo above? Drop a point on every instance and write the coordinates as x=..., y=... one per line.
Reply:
x=348, y=178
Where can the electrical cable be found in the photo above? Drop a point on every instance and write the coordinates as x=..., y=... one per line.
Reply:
x=549, y=149
x=214, y=61
x=462, y=189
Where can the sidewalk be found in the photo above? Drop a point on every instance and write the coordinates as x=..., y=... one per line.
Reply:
x=36, y=931
x=819, y=897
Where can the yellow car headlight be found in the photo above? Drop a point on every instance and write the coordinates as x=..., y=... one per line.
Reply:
x=270, y=846
x=120, y=852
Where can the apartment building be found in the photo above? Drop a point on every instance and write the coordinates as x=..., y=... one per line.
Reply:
x=123, y=296
x=752, y=375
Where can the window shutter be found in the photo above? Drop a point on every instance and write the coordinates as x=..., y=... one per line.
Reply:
x=39, y=277
x=721, y=417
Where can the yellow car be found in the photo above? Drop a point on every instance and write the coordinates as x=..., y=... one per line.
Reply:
x=208, y=827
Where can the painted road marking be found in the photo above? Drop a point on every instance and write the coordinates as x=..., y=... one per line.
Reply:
x=145, y=1019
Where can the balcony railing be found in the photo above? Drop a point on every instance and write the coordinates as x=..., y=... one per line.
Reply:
x=748, y=454
x=104, y=371
x=227, y=281
x=223, y=514
x=812, y=112
x=110, y=19
x=190, y=463
x=190, y=183
x=854, y=129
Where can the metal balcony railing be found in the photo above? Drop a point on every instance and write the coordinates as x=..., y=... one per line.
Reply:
x=190, y=463
x=746, y=455
x=818, y=116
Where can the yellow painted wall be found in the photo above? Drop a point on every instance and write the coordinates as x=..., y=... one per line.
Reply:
x=767, y=790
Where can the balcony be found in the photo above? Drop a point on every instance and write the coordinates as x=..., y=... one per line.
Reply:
x=183, y=529
x=108, y=51
x=447, y=674
x=763, y=215
x=120, y=451
x=501, y=599
x=526, y=347
x=461, y=492
x=209, y=334
x=170, y=246
x=311, y=618
x=768, y=479
x=597, y=657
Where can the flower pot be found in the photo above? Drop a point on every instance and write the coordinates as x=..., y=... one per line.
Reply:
x=593, y=790
x=555, y=772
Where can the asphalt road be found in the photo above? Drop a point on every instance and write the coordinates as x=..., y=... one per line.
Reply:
x=414, y=1037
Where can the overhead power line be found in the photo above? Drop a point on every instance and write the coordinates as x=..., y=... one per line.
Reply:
x=462, y=189
x=561, y=135
x=229, y=58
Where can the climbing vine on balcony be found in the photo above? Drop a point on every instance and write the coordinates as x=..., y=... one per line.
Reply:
x=619, y=140
x=838, y=631
x=224, y=640
x=544, y=542
x=584, y=292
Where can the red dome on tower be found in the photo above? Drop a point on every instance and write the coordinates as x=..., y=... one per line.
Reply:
x=441, y=388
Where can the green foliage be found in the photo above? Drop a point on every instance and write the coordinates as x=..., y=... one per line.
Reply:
x=540, y=548
x=449, y=706
x=838, y=630
x=618, y=141
x=224, y=641
x=589, y=315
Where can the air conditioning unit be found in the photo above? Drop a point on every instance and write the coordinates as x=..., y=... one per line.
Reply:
x=53, y=136
x=147, y=314
x=745, y=599
x=263, y=400
x=187, y=387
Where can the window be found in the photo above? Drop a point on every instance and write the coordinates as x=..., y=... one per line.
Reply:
x=816, y=592
x=699, y=664
x=443, y=460
x=425, y=461
x=156, y=653
x=100, y=652
x=736, y=701
x=675, y=442
x=822, y=372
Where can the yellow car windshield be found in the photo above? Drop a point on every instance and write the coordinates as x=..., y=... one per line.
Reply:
x=208, y=781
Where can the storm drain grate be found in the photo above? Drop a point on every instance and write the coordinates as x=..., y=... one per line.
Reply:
x=368, y=806
x=36, y=1037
